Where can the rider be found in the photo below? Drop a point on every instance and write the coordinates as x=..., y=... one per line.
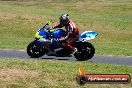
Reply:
x=72, y=32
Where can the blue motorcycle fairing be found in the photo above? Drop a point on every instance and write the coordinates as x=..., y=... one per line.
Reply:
x=87, y=35
x=58, y=33
x=43, y=33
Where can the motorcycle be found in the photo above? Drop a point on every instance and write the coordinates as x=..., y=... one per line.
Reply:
x=47, y=40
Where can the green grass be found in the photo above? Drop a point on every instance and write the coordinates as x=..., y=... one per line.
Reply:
x=20, y=19
x=20, y=73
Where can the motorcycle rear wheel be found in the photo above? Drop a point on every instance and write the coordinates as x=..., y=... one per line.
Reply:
x=85, y=51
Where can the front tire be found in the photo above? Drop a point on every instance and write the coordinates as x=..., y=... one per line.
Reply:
x=33, y=51
x=85, y=51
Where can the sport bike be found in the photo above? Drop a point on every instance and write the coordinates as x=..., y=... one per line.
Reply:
x=46, y=40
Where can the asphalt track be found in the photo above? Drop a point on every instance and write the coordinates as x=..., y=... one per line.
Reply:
x=118, y=60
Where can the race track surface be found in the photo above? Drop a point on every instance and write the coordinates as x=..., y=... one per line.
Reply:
x=118, y=60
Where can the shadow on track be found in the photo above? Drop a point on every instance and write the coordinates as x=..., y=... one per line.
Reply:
x=56, y=58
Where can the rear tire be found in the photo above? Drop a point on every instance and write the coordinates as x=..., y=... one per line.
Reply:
x=33, y=52
x=85, y=51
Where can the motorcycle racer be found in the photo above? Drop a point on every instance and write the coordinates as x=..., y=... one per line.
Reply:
x=72, y=32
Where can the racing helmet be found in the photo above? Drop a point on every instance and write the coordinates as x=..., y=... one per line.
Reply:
x=64, y=19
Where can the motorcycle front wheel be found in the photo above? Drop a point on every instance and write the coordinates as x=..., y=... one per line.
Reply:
x=34, y=50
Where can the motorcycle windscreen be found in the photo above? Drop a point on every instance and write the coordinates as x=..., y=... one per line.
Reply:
x=88, y=35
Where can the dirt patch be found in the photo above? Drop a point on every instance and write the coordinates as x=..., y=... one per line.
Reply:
x=11, y=16
x=33, y=16
x=9, y=75
x=5, y=16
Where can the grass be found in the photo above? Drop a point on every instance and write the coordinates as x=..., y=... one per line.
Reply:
x=20, y=19
x=20, y=73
